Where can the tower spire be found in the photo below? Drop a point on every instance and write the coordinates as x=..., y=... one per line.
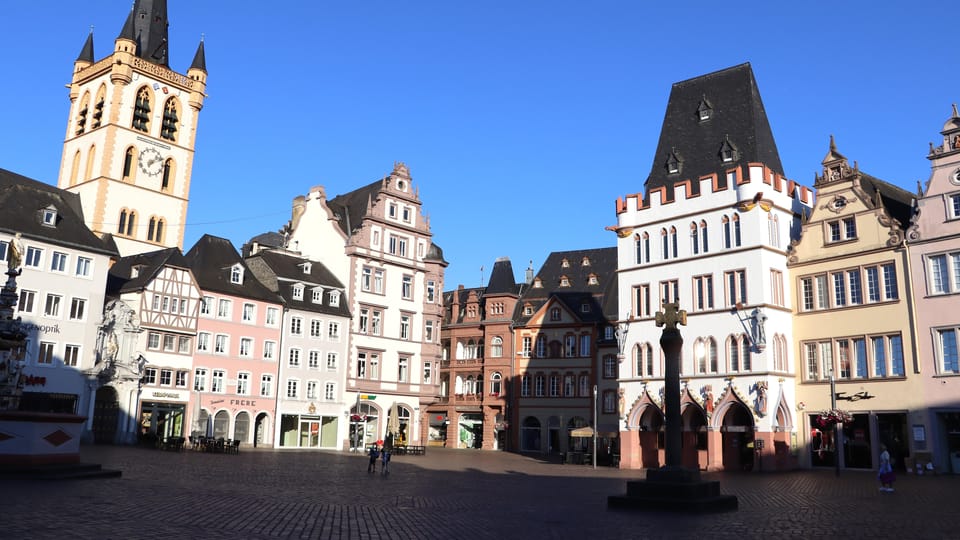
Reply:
x=146, y=25
x=86, y=53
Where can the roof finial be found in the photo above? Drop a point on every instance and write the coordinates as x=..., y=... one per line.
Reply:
x=955, y=113
x=833, y=145
x=919, y=189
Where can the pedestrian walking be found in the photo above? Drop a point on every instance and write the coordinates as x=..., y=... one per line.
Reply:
x=885, y=473
x=385, y=461
x=374, y=454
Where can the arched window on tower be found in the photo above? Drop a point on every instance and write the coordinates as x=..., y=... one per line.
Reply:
x=131, y=222
x=703, y=236
x=98, y=106
x=166, y=182
x=694, y=239
x=128, y=158
x=91, y=156
x=122, y=223
x=74, y=168
x=171, y=120
x=82, y=113
x=141, y=111
x=151, y=227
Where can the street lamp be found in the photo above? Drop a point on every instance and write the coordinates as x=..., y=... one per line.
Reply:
x=595, y=426
x=837, y=433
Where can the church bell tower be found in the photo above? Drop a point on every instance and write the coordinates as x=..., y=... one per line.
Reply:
x=130, y=139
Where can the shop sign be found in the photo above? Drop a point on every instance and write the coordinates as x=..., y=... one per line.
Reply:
x=34, y=380
x=243, y=402
x=166, y=395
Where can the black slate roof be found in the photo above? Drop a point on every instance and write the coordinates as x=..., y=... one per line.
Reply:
x=22, y=198
x=351, y=207
x=502, y=280
x=737, y=121
x=120, y=279
x=603, y=263
x=897, y=201
x=147, y=26
x=286, y=270
x=211, y=259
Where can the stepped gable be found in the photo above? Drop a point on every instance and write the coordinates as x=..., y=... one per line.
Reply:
x=602, y=262
x=708, y=118
x=211, y=260
x=23, y=198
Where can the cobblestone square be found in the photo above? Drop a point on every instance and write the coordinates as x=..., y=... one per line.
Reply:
x=447, y=494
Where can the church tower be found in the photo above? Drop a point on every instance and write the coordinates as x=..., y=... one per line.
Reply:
x=130, y=139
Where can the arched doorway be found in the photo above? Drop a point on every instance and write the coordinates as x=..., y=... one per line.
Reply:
x=651, y=437
x=694, y=423
x=221, y=424
x=530, y=434
x=106, y=414
x=737, y=438
x=261, y=429
x=241, y=427
x=364, y=425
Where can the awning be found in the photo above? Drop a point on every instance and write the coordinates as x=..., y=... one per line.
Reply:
x=585, y=431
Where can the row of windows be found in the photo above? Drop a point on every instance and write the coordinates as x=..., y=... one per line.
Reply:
x=165, y=377
x=316, y=294
x=48, y=351
x=54, y=306
x=850, y=287
x=311, y=390
x=470, y=386
x=222, y=308
x=295, y=359
x=370, y=321
x=555, y=385
x=33, y=258
x=170, y=304
x=374, y=280
x=368, y=367
x=127, y=226
x=699, y=238
x=703, y=292
x=218, y=382
x=859, y=357
x=171, y=343
x=572, y=346
x=142, y=118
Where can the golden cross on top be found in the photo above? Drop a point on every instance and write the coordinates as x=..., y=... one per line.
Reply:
x=671, y=315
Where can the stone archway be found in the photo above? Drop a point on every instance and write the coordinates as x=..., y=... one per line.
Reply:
x=651, y=437
x=694, y=422
x=737, y=434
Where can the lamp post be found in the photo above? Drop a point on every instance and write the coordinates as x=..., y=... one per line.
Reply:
x=594, y=426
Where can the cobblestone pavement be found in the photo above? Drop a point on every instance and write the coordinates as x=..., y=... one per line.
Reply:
x=445, y=494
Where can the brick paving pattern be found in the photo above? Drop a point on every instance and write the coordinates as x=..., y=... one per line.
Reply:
x=447, y=494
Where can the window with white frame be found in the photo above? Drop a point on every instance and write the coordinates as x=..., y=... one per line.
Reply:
x=293, y=388
x=26, y=301
x=200, y=379
x=331, y=361
x=313, y=359
x=570, y=346
x=525, y=385
x=329, y=391
x=78, y=309
x=541, y=346
x=58, y=262
x=246, y=347
x=376, y=322
x=316, y=328
x=298, y=292
x=841, y=230
x=953, y=206
x=296, y=326
x=857, y=357
x=333, y=330
x=526, y=345
x=153, y=341
x=273, y=316
x=45, y=352
x=312, y=389
x=609, y=401
x=316, y=295
x=71, y=355
x=644, y=359
x=181, y=379
x=948, y=355
x=427, y=373
x=366, y=278
x=34, y=257
x=943, y=276
x=249, y=313
x=703, y=292
x=361, y=365
x=404, y=327
x=203, y=342
x=554, y=385
x=221, y=344
x=431, y=291
x=428, y=331
x=206, y=305
x=669, y=291
x=184, y=345
x=266, y=385
x=84, y=266
x=223, y=308
x=539, y=385
x=609, y=366
x=496, y=347
x=218, y=381
x=378, y=277
x=641, y=300
x=374, y=366
x=243, y=383
x=236, y=274
x=269, y=350
x=406, y=287
x=403, y=369
x=169, y=343
x=150, y=376
x=52, y=306
x=293, y=357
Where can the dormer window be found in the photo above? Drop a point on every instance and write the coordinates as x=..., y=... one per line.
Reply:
x=585, y=307
x=728, y=152
x=555, y=314
x=527, y=310
x=236, y=274
x=306, y=267
x=48, y=216
x=334, y=298
x=565, y=263
x=318, y=296
x=704, y=110
x=585, y=261
x=564, y=281
x=592, y=279
x=674, y=163
x=135, y=270
x=537, y=283
x=298, y=292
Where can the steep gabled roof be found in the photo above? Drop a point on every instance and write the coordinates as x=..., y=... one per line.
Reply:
x=288, y=270
x=123, y=279
x=570, y=265
x=352, y=206
x=720, y=111
x=212, y=259
x=22, y=199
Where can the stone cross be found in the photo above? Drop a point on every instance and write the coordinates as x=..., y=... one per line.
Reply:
x=671, y=315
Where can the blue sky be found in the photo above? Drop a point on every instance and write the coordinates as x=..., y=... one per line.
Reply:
x=521, y=122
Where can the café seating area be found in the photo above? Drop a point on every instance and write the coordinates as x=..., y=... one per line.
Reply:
x=214, y=445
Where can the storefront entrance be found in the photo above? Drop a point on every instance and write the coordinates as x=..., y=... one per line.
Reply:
x=106, y=413
x=160, y=420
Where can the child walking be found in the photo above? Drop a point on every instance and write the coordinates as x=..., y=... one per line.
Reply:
x=885, y=473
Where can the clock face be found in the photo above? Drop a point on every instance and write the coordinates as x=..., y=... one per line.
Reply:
x=151, y=162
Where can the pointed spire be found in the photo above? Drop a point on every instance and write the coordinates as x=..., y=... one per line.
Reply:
x=919, y=189
x=955, y=113
x=146, y=25
x=200, y=58
x=127, y=31
x=86, y=53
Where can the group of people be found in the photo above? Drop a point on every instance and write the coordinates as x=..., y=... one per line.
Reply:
x=383, y=454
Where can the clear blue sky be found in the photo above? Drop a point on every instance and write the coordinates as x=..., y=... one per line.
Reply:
x=521, y=122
